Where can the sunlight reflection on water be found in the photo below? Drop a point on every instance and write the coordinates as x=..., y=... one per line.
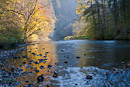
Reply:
x=70, y=62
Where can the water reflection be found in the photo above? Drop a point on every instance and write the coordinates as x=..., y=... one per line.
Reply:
x=39, y=59
x=37, y=63
x=102, y=54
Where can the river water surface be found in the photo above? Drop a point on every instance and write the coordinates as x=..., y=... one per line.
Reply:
x=69, y=64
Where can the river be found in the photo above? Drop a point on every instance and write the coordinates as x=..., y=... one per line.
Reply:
x=69, y=64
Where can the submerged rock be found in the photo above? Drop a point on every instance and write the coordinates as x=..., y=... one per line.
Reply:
x=49, y=66
x=34, y=54
x=77, y=57
x=39, y=55
x=115, y=69
x=41, y=67
x=24, y=56
x=36, y=62
x=55, y=74
x=44, y=56
x=89, y=77
x=40, y=78
x=29, y=51
x=66, y=62
x=46, y=52
x=41, y=60
x=37, y=71
x=47, y=86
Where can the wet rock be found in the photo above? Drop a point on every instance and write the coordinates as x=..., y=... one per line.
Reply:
x=24, y=63
x=115, y=69
x=117, y=72
x=34, y=54
x=62, y=50
x=44, y=62
x=49, y=66
x=39, y=55
x=89, y=77
x=46, y=53
x=21, y=65
x=66, y=62
x=36, y=62
x=44, y=56
x=40, y=78
x=37, y=71
x=47, y=86
x=24, y=73
x=20, y=70
x=41, y=60
x=29, y=51
x=41, y=67
x=29, y=63
x=76, y=84
x=55, y=74
x=77, y=57
x=28, y=67
x=24, y=56
x=30, y=60
x=26, y=81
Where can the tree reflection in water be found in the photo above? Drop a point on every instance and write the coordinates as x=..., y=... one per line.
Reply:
x=37, y=60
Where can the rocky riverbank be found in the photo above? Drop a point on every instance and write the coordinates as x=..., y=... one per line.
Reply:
x=11, y=52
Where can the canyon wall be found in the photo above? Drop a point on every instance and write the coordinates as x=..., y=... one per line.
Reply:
x=65, y=11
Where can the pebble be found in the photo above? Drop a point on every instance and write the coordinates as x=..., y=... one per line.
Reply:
x=40, y=78
x=39, y=55
x=24, y=56
x=78, y=57
x=37, y=71
x=49, y=66
x=66, y=62
x=55, y=74
x=89, y=77
x=41, y=67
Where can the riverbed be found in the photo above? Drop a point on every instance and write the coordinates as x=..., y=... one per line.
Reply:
x=71, y=63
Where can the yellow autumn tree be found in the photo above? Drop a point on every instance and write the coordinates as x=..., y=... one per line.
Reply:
x=30, y=16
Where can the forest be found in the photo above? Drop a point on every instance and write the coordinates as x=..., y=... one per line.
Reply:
x=98, y=20
x=64, y=43
x=103, y=20
x=20, y=20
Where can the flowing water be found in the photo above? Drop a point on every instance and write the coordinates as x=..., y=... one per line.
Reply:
x=68, y=64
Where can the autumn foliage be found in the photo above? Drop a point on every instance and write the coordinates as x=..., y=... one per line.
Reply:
x=27, y=20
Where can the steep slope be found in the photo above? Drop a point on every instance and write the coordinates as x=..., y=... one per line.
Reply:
x=65, y=11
